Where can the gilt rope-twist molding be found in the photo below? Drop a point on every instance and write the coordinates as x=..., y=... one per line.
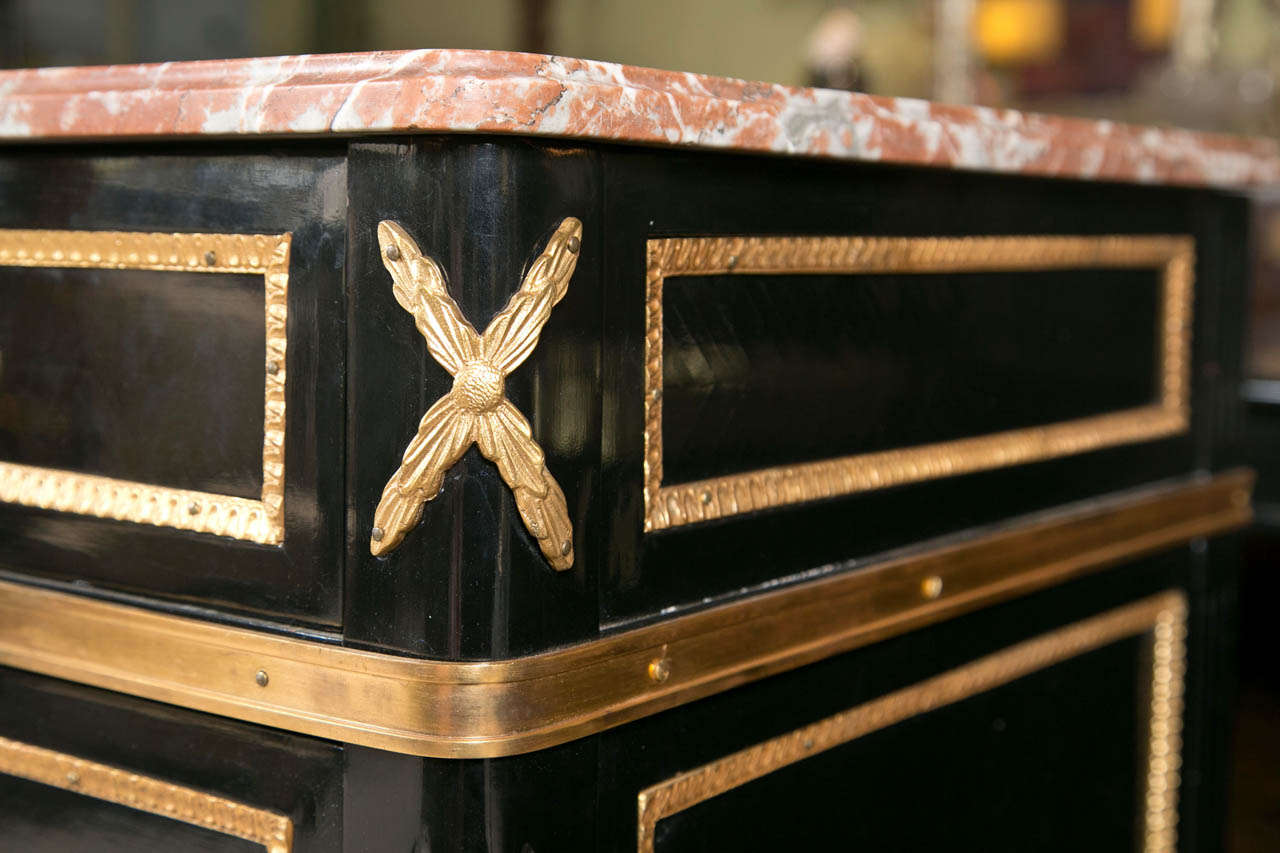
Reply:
x=476, y=410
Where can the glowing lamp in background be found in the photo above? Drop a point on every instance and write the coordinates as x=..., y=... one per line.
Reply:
x=1017, y=32
x=1153, y=23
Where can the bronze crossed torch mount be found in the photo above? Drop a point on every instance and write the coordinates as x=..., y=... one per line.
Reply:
x=476, y=409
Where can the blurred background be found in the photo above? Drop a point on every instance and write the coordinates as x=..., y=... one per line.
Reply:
x=1205, y=64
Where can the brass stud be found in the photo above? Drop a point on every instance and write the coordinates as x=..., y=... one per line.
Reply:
x=193, y=508
x=393, y=253
x=566, y=547
x=73, y=778
x=659, y=669
x=273, y=367
x=261, y=677
x=733, y=262
x=377, y=534
x=210, y=259
x=656, y=393
x=931, y=586
x=705, y=497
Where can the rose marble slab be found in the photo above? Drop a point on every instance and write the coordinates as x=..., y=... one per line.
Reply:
x=451, y=91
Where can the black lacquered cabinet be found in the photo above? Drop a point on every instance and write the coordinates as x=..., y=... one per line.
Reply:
x=488, y=491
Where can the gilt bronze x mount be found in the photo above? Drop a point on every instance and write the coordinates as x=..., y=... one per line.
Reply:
x=476, y=409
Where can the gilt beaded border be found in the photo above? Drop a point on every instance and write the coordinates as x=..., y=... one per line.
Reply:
x=669, y=505
x=260, y=521
x=145, y=793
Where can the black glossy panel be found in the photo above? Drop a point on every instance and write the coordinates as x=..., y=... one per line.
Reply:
x=139, y=375
x=1073, y=737
x=986, y=773
x=35, y=817
x=655, y=194
x=1261, y=438
x=206, y=367
x=296, y=776
x=768, y=370
x=1052, y=761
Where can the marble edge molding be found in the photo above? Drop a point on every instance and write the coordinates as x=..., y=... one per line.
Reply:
x=474, y=91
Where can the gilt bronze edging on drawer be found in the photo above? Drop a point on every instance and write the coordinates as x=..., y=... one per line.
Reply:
x=260, y=521
x=494, y=708
x=670, y=505
x=1163, y=617
x=145, y=793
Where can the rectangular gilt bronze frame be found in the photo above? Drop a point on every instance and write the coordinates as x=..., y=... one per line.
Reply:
x=260, y=521
x=114, y=785
x=673, y=505
x=1163, y=617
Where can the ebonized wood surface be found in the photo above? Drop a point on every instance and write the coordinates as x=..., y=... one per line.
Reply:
x=154, y=377
x=924, y=359
x=1052, y=761
x=482, y=207
x=224, y=189
x=469, y=581
x=671, y=194
x=292, y=775
x=767, y=370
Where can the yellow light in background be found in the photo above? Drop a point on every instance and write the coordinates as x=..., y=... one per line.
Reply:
x=1010, y=32
x=1153, y=22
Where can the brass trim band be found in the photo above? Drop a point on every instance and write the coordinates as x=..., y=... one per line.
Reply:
x=484, y=709
x=145, y=793
x=260, y=521
x=675, y=504
x=1163, y=616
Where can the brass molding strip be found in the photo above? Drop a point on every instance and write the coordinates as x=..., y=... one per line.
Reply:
x=260, y=521
x=675, y=504
x=1164, y=617
x=145, y=793
x=494, y=708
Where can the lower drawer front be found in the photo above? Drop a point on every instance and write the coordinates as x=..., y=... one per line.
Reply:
x=985, y=753
x=1054, y=722
x=84, y=769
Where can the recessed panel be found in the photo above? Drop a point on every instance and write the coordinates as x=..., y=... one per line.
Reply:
x=140, y=375
x=984, y=773
x=781, y=370
x=987, y=755
x=767, y=370
x=132, y=353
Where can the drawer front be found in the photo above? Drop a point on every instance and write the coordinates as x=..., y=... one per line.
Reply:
x=820, y=363
x=1053, y=723
x=759, y=371
x=780, y=371
x=85, y=769
x=170, y=408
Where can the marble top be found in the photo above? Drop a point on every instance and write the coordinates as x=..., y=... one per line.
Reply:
x=451, y=91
